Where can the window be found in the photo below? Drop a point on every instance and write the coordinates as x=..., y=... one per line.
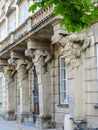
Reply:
x=2, y=33
x=63, y=82
x=0, y=91
x=11, y=24
x=23, y=13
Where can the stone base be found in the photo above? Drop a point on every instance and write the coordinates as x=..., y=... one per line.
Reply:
x=10, y=115
x=22, y=116
x=43, y=122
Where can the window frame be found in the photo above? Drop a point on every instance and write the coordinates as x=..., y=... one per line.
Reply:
x=65, y=82
x=21, y=15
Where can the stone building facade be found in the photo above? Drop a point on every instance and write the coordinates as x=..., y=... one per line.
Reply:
x=46, y=73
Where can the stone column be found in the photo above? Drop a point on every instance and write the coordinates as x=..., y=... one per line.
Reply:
x=73, y=48
x=40, y=59
x=22, y=66
x=10, y=93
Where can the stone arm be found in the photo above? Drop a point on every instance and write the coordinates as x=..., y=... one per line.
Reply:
x=29, y=64
x=48, y=56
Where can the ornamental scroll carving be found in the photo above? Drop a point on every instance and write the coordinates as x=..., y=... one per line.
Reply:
x=39, y=59
x=72, y=47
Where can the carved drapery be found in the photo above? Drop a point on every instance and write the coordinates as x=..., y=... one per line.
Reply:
x=39, y=59
x=72, y=47
x=8, y=72
x=20, y=65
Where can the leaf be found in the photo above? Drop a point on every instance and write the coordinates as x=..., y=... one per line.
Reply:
x=76, y=14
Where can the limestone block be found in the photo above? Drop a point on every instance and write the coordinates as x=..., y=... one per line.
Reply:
x=87, y=53
x=92, y=121
x=70, y=74
x=90, y=110
x=56, y=80
x=56, y=89
x=61, y=109
x=91, y=85
x=52, y=81
x=92, y=51
x=56, y=72
x=59, y=117
x=91, y=74
x=90, y=63
x=52, y=72
x=57, y=98
x=91, y=97
x=55, y=57
x=92, y=40
x=43, y=122
x=51, y=98
x=56, y=63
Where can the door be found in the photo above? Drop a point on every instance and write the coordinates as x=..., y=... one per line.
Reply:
x=35, y=93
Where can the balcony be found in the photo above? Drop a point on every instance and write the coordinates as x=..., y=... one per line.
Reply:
x=29, y=25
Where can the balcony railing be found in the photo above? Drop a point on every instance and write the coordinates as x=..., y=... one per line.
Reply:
x=32, y=22
x=41, y=16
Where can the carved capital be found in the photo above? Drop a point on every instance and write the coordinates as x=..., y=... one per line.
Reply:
x=29, y=53
x=22, y=65
x=40, y=60
x=12, y=62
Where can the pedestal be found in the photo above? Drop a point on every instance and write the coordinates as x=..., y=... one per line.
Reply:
x=21, y=116
x=10, y=115
x=43, y=122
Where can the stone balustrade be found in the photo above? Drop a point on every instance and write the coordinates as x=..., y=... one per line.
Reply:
x=38, y=17
x=41, y=15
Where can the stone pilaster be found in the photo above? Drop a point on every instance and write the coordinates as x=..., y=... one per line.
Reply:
x=40, y=59
x=73, y=47
x=10, y=93
x=22, y=66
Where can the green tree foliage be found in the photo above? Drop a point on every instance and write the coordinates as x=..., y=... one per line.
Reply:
x=76, y=14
